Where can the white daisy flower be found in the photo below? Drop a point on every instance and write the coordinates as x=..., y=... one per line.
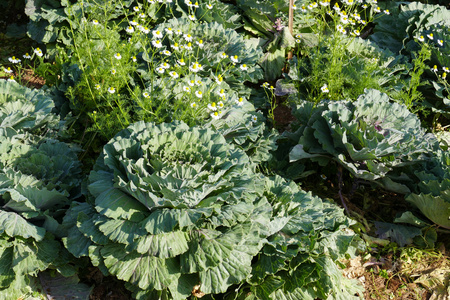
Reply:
x=244, y=67
x=440, y=42
x=129, y=29
x=157, y=34
x=216, y=115
x=198, y=83
x=188, y=46
x=117, y=56
x=111, y=90
x=113, y=71
x=134, y=59
x=239, y=101
x=254, y=119
x=97, y=86
x=218, y=79
x=165, y=65
x=95, y=22
x=192, y=18
x=223, y=55
x=160, y=70
x=168, y=30
x=11, y=79
x=166, y=52
x=187, y=37
x=324, y=88
x=157, y=43
x=191, y=82
x=209, y=6
x=181, y=62
x=134, y=23
x=200, y=43
x=186, y=89
x=175, y=47
x=193, y=105
x=136, y=8
x=146, y=95
x=26, y=56
x=430, y=36
x=220, y=104
x=14, y=60
x=142, y=16
x=178, y=32
x=199, y=94
x=421, y=38
x=7, y=70
x=446, y=70
x=221, y=93
x=144, y=29
x=434, y=69
x=173, y=74
x=212, y=106
x=234, y=58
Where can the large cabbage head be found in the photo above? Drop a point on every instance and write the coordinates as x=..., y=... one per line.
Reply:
x=172, y=210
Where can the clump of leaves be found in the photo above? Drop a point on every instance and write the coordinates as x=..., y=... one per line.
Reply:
x=176, y=210
x=370, y=137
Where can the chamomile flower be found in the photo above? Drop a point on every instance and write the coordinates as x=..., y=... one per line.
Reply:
x=200, y=43
x=160, y=70
x=11, y=79
x=151, y=1
x=169, y=30
x=239, y=101
x=136, y=8
x=166, y=52
x=175, y=47
x=298, y=41
x=209, y=6
x=220, y=104
x=111, y=90
x=142, y=16
x=430, y=36
x=192, y=18
x=129, y=29
x=434, y=69
x=186, y=89
x=14, y=60
x=294, y=7
x=198, y=82
x=181, y=62
x=178, y=32
x=145, y=30
x=26, y=56
x=97, y=86
x=113, y=71
x=134, y=59
x=134, y=23
x=212, y=106
x=199, y=94
x=344, y=20
x=157, y=34
x=377, y=10
x=95, y=22
x=218, y=79
x=195, y=5
x=340, y=29
x=165, y=65
x=157, y=43
x=254, y=119
x=191, y=82
x=387, y=12
x=298, y=36
x=324, y=2
x=117, y=56
x=7, y=70
x=265, y=85
x=173, y=74
x=440, y=42
x=221, y=93
x=223, y=55
x=216, y=115
x=195, y=67
x=187, y=37
x=146, y=95
x=244, y=67
x=325, y=89
x=445, y=69
x=336, y=7
x=193, y=105
x=188, y=46
x=421, y=38
x=444, y=75
x=234, y=58
x=356, y=32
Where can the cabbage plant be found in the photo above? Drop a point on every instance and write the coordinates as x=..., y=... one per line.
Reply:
x=176, y=211
x=38, y=179
x=371, y=137
x=25, y=109
x=172, y=210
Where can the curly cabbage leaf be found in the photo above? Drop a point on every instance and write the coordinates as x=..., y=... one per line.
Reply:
x=25, y=109
x=172, y=207
x=38, y=178
x=370, y=137
x=298, y=261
